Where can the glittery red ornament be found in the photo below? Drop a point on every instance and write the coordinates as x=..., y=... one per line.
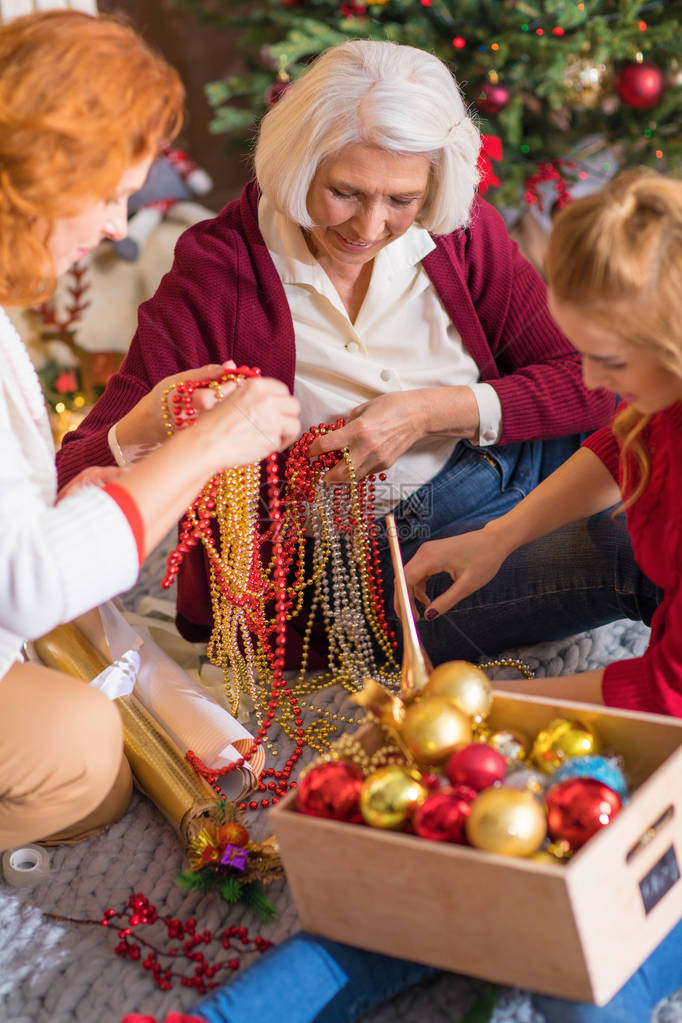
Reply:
x=578, y=808
x=331, y=790
x=493, y=98
x=640, y=84
x=477, y=766
x=442, y=816
x=274, y=92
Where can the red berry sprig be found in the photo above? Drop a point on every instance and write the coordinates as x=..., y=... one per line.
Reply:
x=187, y=941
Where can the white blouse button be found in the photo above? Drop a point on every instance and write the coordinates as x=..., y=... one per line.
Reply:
x=352, y=346
x=387, y=374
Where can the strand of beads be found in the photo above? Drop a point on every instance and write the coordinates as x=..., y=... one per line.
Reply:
x=245, y=642
x=248, y=639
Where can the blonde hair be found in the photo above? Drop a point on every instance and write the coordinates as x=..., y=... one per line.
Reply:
x=82, y=98
x=400, y=98
x=617, y=255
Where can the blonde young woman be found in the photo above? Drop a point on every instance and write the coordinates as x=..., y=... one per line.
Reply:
x=84, y=107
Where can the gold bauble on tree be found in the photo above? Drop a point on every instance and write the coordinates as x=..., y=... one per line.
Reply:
x=433, y=728
x=587, y=81
x=390, y=795
x=561, y=739
x=506, y=821
x=465, y=685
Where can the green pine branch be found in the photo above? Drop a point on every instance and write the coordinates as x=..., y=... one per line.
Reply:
x=552, y=106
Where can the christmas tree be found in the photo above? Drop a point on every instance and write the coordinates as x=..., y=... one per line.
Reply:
x=549, y=79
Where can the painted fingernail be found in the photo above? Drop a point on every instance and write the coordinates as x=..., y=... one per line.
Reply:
x=430, y=614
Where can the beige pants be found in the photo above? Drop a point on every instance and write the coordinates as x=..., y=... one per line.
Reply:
x=63, y=775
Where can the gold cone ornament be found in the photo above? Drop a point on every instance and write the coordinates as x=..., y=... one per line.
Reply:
x=414, y=672
x=159, y=766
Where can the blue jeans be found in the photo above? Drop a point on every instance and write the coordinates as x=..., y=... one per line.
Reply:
x=308, y=979
x=579, y=577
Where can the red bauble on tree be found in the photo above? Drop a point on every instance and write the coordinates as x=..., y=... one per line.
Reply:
x=493, y=98
x=274, y=92
x=331, y=790
x=640, y=84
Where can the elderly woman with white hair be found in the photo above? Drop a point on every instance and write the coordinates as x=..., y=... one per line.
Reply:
x=361, y=268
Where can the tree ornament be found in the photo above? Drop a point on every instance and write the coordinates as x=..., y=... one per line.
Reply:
x=640, y=84
x=561, y=739
x=507, y=822
x=390, y=796
x=478, y=765
x=607, y=770
x=331, y=790
x=578, y=808
x=275, y=91
x=586, y=82
x=465, y=685
x=433, y=728
x=492, y=98
x=512, y=744
x=442, y=816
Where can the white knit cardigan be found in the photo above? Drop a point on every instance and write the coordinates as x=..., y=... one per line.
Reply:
x=56, y=560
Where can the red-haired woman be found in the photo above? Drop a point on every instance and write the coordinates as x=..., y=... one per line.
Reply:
x=84, y=107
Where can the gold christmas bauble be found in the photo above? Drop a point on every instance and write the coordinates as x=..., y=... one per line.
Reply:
x=561, y=739
x=506, y=821
x=466, y=685
x=513, y=745
x=390, y=795
x=433, y=728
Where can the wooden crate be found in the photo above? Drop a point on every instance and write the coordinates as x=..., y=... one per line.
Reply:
x=575, y=930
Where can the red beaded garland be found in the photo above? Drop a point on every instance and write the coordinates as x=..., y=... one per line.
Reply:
x=283, y=537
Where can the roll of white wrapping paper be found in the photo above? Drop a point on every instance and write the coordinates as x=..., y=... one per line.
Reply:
x=191, y=718
x=22, y=868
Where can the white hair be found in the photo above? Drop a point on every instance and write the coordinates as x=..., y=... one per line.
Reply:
x=396, y=97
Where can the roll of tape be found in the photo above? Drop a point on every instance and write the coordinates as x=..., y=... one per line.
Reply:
x=24, y=867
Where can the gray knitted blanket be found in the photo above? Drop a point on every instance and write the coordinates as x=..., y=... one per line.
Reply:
x=54, y=972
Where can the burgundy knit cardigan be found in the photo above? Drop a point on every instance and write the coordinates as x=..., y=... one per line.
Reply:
x=222, y=299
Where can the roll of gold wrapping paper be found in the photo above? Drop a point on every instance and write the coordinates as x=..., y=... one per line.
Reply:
x=159, y=766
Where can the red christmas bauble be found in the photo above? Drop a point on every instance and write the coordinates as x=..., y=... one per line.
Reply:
x=331, y=790
x=492, y=99
x=442, y=816
x=477, y=765
x=578, y=808
x=640, y=84
x=274, y=92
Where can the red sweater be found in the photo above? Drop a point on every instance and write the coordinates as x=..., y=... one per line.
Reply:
x=653, y=682
x=223, y=299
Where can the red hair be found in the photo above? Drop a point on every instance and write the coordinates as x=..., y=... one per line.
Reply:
x=82, y=98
